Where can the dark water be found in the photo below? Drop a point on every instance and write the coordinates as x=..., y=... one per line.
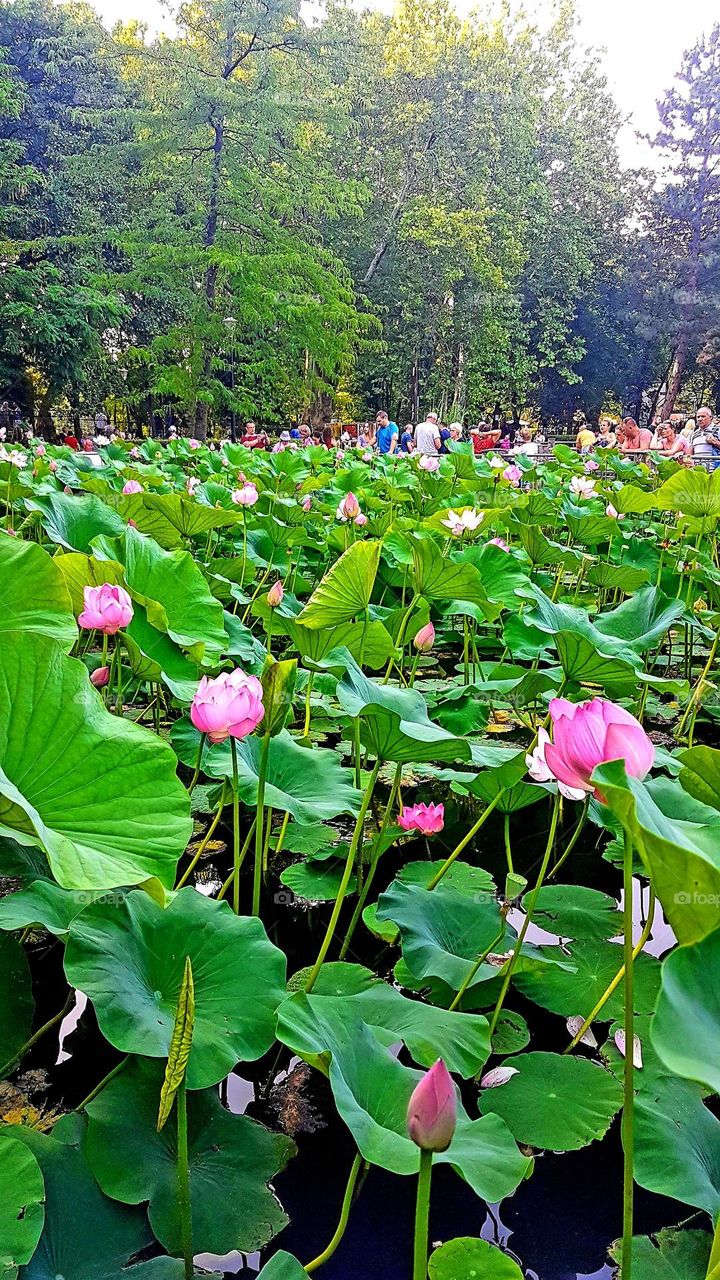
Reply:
x=558, y=1225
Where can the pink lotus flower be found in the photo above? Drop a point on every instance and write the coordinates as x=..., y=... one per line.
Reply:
x=132, y=486
x=428, y=818
x=134, y=452
x=191, y=484
x=100, y=677
x=613, y=513
x=368, y=456
x=349, y=508
x=307, y=503
x=499, y=542
x=107, y=609
x=465, y=521
x=429, y=462
x=193, y=443
x=540, y=771
x=245, y=497
x=513, y=475
x=581, y=487
x=587, y=734
x=275, y=594
x=228, y=706
x=52, y=464
x=40, y=451
x=592, y=465
x=432, y=1110
x=425, y=638
x=360, y=519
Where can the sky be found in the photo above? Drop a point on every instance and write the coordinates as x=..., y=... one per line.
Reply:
x=642, y=42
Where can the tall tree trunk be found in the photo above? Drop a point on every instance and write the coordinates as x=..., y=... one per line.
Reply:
x=405, y=190
x=682, y=349
x=211, y=272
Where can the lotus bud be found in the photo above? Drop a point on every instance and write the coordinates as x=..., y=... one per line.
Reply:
x=132, y=486
x=275, y=594
x=432, y=1111
x=100, y=677
x=425, y=638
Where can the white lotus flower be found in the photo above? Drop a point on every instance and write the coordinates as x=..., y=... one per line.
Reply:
x=582, y=487
x=466, y=521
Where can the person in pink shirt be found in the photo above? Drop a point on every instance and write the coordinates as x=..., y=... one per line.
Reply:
x=670, y=444
x=633, y=439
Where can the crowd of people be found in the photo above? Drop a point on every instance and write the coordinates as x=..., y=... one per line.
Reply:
x=687, y=440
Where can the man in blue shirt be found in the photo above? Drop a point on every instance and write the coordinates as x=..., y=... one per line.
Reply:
x=386, y=433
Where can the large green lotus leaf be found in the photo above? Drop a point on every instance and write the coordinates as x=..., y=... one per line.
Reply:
x=670, y=1255
x=583, y=663
x=317, y=880
x=346, y=588
x=153, y=655
x=574, y=911
x=307, y=782
x=617, y=577
x=129, y=959
x=181, y=512
x=282, y=1266
x=590, y=530
x=99, y=794
x=584, y=652
x=630, y=500
x=469, y=1259
x=80, y=570
x=22, y=1213
x=677, y=1144
x=436, y=578
x=694, y=493
x=372, y=640
x=641, y=621
x=596, y=963
x=555, y=1102
x=470, y=881
x=72, y=521
x=149, y=520
x=700, y=774
x=679, y=841
x=16, y=1002
x=686, y=1027
x=462, y=1039
x=171, y=587
x=394, y=723
x=372, y=1090
x=500, y=573
x=33, y=593
x=443, y=931
x=44, y=903
x=86, y=1236
x=231, y=1158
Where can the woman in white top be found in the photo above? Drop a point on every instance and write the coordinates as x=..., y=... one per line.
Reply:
x=527, y=445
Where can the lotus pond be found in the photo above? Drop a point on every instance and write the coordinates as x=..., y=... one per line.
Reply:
x=360, y=858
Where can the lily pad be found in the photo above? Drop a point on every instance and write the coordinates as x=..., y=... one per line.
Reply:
x=555, y=1102
x=129, y=959
x=595, y=963
x=468, y=1259
x=442, y=931
x=670, y=1255
x=231, y=1158
x=574, y=911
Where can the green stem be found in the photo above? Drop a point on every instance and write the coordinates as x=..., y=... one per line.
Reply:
x=203, y=843
x=183, y=1182
x=713, y=1271
x=281, y=835
x=119, y=698
x=257, y=875
x=573, y=839
x=236, y=828
x=422, y=1216
x=628, y=1116
x=349, y=864
x=198, y=763
x=356, y=751
x=328, y=1252
x=400, y=637
x=474, y=968
x=613, y=986
x=374, y=859
x=528, y=916
x=105, y=1080
x=466, y=840
x=308, y=692
x=29, y=1044
x=231, y=878
x=508, y=847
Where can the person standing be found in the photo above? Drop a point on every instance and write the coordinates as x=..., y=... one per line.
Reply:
x=427, y=436
x=407, y=442
x=706, y=439
x=386, y=433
